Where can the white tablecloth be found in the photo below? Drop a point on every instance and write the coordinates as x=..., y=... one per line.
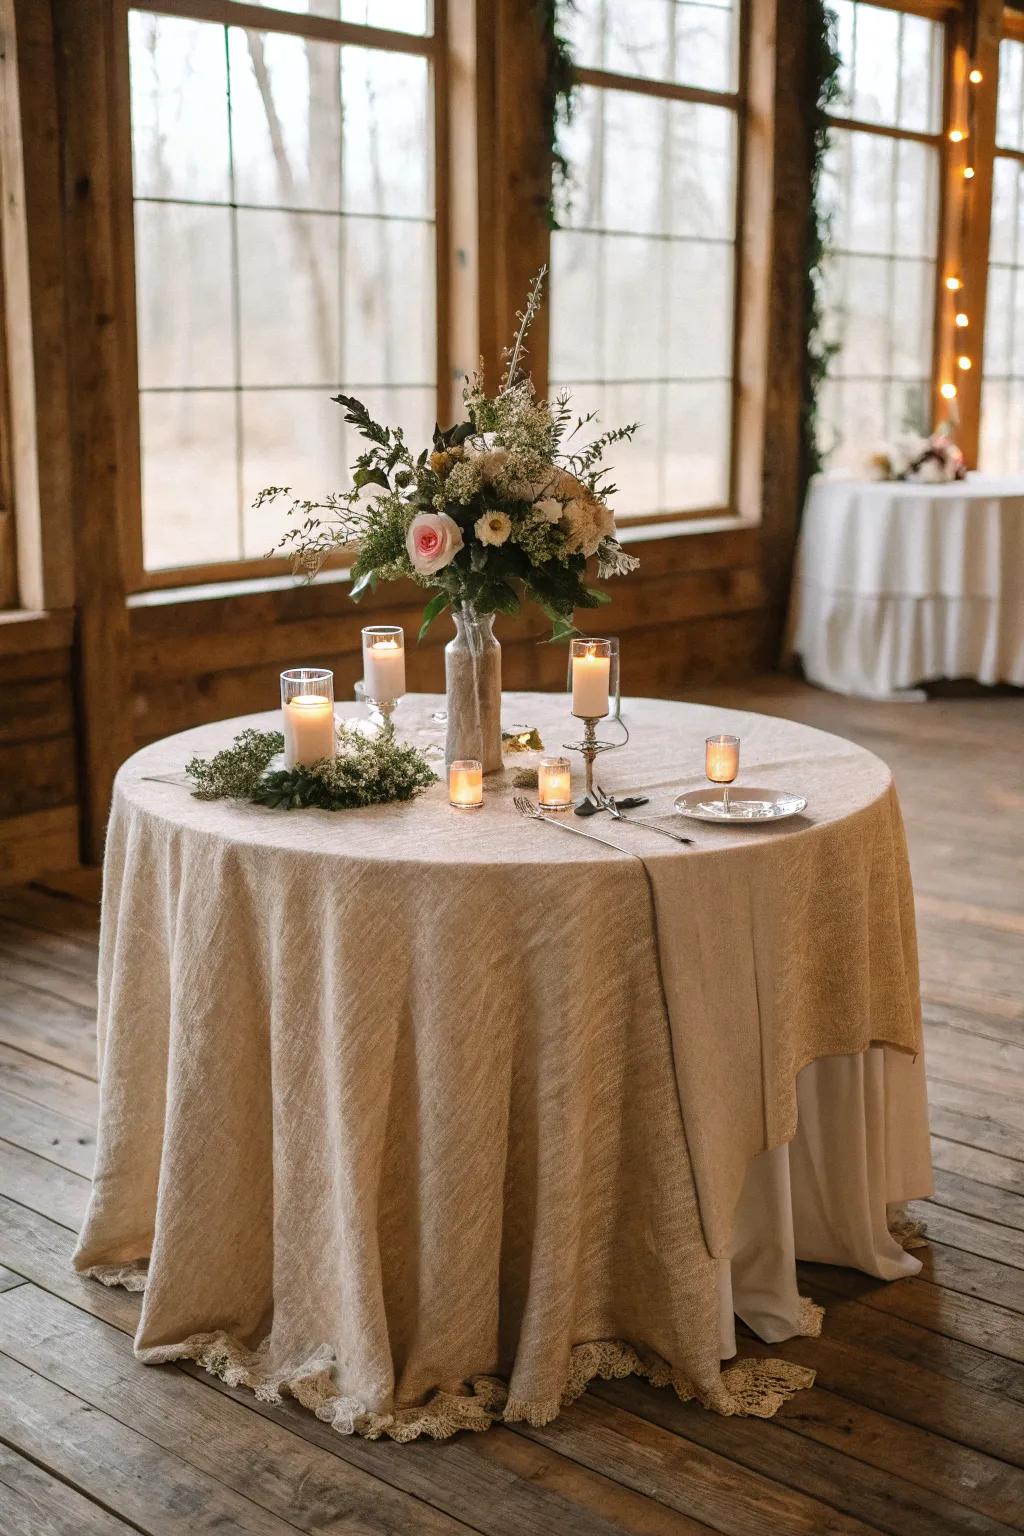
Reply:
x=897, y=584
x=402, y=1104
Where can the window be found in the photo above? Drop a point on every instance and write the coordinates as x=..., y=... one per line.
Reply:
x=881, y=184
x=1002, y=400
x=644, y=265
x=284, y=212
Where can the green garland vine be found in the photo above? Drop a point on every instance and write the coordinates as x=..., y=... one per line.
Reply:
x=822, y=89
x=368, y=770
x=558, y=95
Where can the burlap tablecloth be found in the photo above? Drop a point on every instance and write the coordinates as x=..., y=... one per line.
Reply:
x=391, y=1100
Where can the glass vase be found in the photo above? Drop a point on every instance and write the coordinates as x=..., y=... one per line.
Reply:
x=472, y=670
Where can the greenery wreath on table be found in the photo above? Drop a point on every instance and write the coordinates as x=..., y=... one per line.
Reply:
x=368, y=770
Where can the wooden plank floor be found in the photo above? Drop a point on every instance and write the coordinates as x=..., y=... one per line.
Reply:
x=915, y=1426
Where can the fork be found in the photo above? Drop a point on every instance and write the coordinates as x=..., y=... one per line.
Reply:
x=526, y=807
x=608, y=801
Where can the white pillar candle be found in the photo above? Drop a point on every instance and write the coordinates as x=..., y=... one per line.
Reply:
x=466, y=784
x=554, y=784
x=590, y=674
x=383, y=666
x=722, y=759
x=308, y=729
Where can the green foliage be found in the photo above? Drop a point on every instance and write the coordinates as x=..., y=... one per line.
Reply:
x=516, y=495
x=235, y=773
x=558, y=96
x=821, y=91
x=368, y=770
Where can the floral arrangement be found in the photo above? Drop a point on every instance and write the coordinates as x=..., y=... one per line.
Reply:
x=502, y=508
x=367, y=770
x=933, y=460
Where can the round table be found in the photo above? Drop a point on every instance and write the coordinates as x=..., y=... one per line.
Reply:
x=897, y=584
x=426, y=1117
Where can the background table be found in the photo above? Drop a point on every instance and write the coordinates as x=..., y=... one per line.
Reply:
x=897, y=584
x=427, y=1116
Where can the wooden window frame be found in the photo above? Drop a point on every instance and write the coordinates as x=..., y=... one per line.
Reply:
x=267, y=19
x=743, y=320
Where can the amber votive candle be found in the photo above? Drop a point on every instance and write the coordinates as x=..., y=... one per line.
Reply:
x=466, y=784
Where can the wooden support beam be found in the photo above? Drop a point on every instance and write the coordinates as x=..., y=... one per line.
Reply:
x=33, y=293
x=86, y=41
x=981, y=29
x=515, y=178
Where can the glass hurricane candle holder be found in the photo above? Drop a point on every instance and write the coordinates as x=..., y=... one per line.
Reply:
x=722, y=761
x=384, y=665
x=591, y=673
x=614, y=679
x=466, y=784
x=307, y=709
x=554, y=784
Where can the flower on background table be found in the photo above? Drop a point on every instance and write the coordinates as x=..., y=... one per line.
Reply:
x=934, y=460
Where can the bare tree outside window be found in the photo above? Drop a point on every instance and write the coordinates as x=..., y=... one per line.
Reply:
x=643, y=267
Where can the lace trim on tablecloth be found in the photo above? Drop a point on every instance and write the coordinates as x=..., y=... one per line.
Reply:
x=751, y=1387
x=909, y=1231
x=132, y=1275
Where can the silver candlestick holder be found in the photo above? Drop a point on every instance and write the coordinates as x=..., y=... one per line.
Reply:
x=589, y=747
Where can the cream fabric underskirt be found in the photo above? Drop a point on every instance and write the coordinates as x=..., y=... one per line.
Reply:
x=876, y=646
x=861, y=1144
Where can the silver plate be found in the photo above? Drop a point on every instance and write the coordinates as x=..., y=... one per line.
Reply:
x=745, y=806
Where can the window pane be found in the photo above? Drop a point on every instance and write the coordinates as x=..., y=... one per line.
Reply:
x=1010, y=98
x=189, y=477
x=891, y=71
x=642, y=291
x=882, y=196
x=689, y=42
x=179, y=107
x=1001, y=449
x=183, y=295
x=298, y=254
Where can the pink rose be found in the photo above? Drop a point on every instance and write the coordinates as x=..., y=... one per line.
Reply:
x=433, y=541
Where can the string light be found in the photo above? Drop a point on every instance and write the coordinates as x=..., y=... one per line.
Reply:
x=962, y=321
x=953, y=284
x=963, y=362
x=956, y=136
x=948, y=391
x=968, y=172
x=975, y=77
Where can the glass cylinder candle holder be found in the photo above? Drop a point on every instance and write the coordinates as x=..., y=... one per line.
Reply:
x=554, y=785
x=591, y=674
x=722, y=761
x=384, y=663
x=614, y=679
x=307, y=708
x=466, y=784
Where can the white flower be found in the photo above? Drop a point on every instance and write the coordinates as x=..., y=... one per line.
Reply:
x=493, y=527
x=433, y=540
x=930, y=471
x=549, y=509
x=492, y=463
x=579, y=525
x=605, y=520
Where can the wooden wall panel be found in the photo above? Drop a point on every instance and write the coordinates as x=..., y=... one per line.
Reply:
x=38, y=766
x=226, y=660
